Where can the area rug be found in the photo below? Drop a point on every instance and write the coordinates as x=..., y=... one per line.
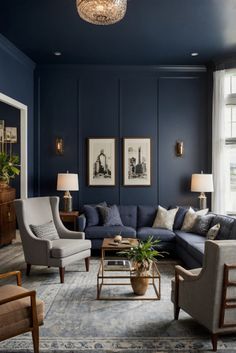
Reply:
x=75, y=322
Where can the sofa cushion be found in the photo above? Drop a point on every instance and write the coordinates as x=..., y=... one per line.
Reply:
x=233, y=231
x=92, y=215
x=226, y=226
x=187, y=239
x=128, y=215
x=164, y=218
x=146, y=215
x=110, y=215
x=197, y=251
x=98, y=232
x=213, y=232
x=66, y=247
x=179, y=217
x=15, y=315
x=190, y=218
x=166, y=235
x=202, y=224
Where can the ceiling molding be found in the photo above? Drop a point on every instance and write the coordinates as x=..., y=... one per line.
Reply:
x=16, y=53
x=149, y=68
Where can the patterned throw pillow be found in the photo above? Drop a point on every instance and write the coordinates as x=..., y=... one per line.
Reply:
x=202, y=224
x=213, y=232
x=110, y=216
x=165, y=218
x=190, y=218
x=45, y=231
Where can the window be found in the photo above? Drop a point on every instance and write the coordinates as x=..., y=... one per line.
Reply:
x=230, y=141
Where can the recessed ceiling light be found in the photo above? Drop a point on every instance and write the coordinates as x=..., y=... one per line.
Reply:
x=57, y=53
x=194, y=54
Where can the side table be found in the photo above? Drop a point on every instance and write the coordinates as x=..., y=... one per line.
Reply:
x=70, y=217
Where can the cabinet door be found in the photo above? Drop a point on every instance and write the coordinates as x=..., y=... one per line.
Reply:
x=7, y=222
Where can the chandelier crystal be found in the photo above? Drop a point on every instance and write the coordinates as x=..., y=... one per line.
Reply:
x=101, y=12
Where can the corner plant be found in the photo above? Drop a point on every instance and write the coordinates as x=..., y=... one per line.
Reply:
x=143, y=255
x=8, y=167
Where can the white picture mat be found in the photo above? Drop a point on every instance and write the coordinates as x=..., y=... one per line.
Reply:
x=135, y=144
x=95, y=147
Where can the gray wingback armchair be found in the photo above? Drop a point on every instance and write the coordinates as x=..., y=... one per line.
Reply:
x=208, y=294
x=56, y=253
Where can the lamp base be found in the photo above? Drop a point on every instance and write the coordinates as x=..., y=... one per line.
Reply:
x=67, y=202
x=202, y=201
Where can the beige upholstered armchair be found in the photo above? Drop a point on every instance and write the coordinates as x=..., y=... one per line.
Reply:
x=70, y=246
x=20, y=311
x=208, y=294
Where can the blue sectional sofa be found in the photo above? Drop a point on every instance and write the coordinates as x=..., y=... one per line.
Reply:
x=137, y=223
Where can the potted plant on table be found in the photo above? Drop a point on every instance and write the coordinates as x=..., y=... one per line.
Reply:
x=142, y=257
x=9, y=168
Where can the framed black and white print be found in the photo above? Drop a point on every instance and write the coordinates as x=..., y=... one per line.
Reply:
x=137, y=161
x=101, y=161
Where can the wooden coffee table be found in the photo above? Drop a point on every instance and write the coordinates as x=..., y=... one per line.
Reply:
x=122, y=277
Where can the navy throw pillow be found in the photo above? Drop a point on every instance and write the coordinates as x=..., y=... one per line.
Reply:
x=92, y=214
x=202, y=224
x=110, y=216
x=179, y=217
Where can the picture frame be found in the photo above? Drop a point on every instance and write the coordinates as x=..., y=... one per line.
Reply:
x=11, y=134
x=101, y=161
x=137, y=161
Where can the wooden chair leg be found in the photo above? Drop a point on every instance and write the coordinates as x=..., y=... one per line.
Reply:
x=62, y=273
x=87, y=261
x=35, y=336
x=176, y=312
x=28, y=268
x=214, y=338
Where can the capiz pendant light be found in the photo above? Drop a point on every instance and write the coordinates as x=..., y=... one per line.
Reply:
x=101, y=12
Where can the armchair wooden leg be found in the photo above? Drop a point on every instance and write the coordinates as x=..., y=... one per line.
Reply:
x=214, y=338
x=28, y=268
x=35, y=336
x=62, y=273
x=176, y=312
x=87, y=261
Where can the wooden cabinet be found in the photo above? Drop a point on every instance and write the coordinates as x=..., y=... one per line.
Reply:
x=7, y=216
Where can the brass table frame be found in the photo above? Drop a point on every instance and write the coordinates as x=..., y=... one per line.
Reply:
x=102, y=278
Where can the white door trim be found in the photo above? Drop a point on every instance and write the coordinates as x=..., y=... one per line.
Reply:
x=23, y=141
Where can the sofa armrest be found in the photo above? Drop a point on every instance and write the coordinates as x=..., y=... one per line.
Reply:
x=81, y=222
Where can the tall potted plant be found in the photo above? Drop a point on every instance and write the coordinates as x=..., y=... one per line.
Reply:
x=9, y=168
x=142, y=257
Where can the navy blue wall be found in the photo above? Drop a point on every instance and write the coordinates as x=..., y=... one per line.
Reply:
x=17, y=81
x=165, y=104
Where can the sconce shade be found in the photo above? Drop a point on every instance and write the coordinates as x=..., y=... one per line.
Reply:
x=202, y=183
x=67, y=182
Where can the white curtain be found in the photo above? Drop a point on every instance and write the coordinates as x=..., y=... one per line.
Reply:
x=218, y=143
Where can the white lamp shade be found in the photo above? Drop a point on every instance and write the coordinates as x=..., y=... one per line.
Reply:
x=202, y=183
x=67, y=182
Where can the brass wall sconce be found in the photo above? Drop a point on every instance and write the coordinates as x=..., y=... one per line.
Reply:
x=179, y=148
x=59, y=146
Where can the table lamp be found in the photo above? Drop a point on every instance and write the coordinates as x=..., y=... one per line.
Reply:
x=67, y=182
x=202, y=183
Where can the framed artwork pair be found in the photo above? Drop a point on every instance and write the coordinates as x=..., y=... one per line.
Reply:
x=102, y=161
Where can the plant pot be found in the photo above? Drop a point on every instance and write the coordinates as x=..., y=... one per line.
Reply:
x=139, y=284
x=3, y=185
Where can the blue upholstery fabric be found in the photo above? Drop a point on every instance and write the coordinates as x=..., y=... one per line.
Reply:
x=157, y=233
x=128, y=215
x=92, y=215
x=226, y=226
x=233, y=231
x=146, y=215
x=197, y=251
x=110, y=215
x=81, y=222
x=188, y=239
x=179, y=217
x=189, y=261
x=99, y=232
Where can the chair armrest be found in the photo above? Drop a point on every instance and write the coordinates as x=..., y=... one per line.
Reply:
x=185, y=274
x=69, y=234
x=12, y=273
x=81, y=222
